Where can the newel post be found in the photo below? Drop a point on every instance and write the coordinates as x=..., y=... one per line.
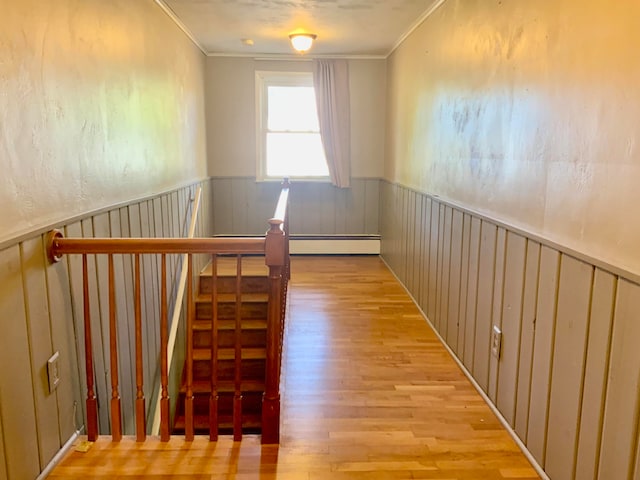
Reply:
x=274, y=259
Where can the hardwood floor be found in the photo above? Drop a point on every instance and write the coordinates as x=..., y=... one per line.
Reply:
x=368, y=392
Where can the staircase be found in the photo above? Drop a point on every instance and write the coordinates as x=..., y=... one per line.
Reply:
x=253, y=301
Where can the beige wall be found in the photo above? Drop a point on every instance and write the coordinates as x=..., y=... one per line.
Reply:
x=528, y=112
x=231, y=115
x=102, y=102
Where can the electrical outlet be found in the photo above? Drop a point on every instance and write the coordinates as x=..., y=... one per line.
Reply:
x=496, y=341
x=53, y=371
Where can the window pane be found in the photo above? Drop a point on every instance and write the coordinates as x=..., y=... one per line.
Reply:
x=295, y=154
x=292, y=109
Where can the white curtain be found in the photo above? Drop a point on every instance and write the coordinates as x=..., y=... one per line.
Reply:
x=331, y=82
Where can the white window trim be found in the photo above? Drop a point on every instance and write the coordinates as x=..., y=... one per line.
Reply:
x=264, y=79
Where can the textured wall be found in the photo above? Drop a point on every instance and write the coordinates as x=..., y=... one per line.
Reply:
x=527, y=111
x=102, y=102
x=231, y=114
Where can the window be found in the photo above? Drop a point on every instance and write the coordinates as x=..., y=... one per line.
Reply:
x=288, y=140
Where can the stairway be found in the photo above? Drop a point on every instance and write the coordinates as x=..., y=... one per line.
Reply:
x=254, y=298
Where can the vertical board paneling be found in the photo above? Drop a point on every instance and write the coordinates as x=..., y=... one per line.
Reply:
x=326, y=214
x=496, y=311
x=98, y=335
x=147, y=307
x=442, y=222
x=74, y=267
x=417, y=257
x=356, y=215
x=472, y=293
x=455, y=263
x=595, y=374
x=39, y=331
x=239, y=206
x=409, y=239
x=574, y=301
x=222, y=198
x=446, y=271
x=620, y=426
x=371, y=206
x=542, y=352
x=63, y=337
x=426, y=239
x=529, y=304
x=514, y=271
x=403, y=217
x=16, y=387
x=484, y=304
x=126, y=363
x=464, y=285
x=433, y=260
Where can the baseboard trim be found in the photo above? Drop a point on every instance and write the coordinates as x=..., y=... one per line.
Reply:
x=334, y=245
x=58, y=456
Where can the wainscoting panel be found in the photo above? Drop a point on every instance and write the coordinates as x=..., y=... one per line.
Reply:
x=41, y=309
x=241, y=206
x=567, y=378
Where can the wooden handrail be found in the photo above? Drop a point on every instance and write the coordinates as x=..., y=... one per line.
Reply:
x=59, y=245
x=274, y=246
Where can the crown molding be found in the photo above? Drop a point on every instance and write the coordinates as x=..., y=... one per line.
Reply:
x=415, y=25
x=180, y=25
x=285, y=57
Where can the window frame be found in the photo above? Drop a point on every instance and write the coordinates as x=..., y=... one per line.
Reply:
x=263, y=80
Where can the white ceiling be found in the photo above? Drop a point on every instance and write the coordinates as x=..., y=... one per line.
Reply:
x=344, y=27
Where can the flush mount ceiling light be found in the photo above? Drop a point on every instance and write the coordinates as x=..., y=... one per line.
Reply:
x=301, y=42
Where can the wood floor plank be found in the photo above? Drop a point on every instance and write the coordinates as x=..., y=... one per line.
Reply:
x=368, y=392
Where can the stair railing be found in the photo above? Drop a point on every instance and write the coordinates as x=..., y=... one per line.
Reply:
x=274, y=246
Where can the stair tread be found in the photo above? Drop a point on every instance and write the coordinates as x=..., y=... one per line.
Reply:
x=251, y=353
x=224, y=324
x=231, y=298
x=224, y=386
x=201, y=422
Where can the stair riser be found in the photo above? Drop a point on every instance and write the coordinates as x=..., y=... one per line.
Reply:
x=254, y=310
x=251, y=370
x=226, y=338
x=251, y=403
x=228, y=284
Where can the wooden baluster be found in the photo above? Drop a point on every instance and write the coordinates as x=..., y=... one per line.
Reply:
x=92, y=404
x=237, y=396
x=141, y=433
x=164, y=367
x=188, y=401
x=213, y=400
x=116, y=422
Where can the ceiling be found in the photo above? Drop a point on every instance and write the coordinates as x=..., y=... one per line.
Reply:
x=344, y=27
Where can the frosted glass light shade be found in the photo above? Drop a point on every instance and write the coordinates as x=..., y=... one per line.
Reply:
x=301, y=42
